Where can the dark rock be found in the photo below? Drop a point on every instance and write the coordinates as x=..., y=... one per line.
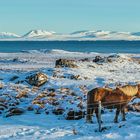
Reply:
x=58, y=111
x=51, y=89
x=47, y=112
x=91, y=66
x=30, y=108
x=37, y=111
x=51, y=94
x=109, y=59
x=14, y=111
x=15, y=60
x=14, y=78
x=85, y=60
x=65, y=63
x=55, y=103
x=75, y=115
x=37, y=79
x=2, y=107
x=75, y=77
x=135, y=107
x=20, y=82
x=98, y=59
x=112, y=58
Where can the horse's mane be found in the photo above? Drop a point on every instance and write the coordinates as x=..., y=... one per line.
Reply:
x=129, y=90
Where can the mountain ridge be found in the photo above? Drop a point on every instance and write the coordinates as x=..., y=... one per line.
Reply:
x=8, y=35
x=77, y=35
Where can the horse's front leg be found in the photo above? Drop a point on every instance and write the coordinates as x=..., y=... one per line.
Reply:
x=116, y=116
x=90, y=110
x=123, y=114
x=97, y=115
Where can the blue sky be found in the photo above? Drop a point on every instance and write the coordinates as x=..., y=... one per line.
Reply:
x=65, y=16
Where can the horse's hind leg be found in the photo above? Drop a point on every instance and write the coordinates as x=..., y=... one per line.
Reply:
x=116, y=116
x=89, y=114
x=123, y=114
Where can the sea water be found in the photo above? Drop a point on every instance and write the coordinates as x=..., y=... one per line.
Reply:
x=74, y=46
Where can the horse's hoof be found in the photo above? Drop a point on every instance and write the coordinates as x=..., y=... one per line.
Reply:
x=123, y=119
x=89, y=121
x=115, y=121
x=101, y=121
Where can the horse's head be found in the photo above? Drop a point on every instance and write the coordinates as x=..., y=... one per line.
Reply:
x=138, y=94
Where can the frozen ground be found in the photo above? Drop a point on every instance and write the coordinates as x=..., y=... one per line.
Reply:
x=29, y=126
x=121, y=70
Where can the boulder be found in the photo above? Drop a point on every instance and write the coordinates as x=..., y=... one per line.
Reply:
x=65, y=63
x=51, y=89
x=58, y=111
x=51, y=94
x=3, y=107
x=14, y=78
x=37, y=79
x=14, y=111
x=75, y=115
x=109, y=59
x=135, y=107
x=98, y=59
x=85, y=60
x=30, y=108
x=112, y=58
x=75, y=77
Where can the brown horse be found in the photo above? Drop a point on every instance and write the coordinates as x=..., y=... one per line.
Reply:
x=111, y=98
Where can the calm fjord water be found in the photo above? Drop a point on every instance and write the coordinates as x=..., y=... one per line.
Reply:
x=75, y=46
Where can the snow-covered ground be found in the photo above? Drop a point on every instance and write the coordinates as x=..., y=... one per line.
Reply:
x=50, y=127
x=112, y=70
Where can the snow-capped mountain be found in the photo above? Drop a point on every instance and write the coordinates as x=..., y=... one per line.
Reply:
x=7, y=35
x=106, y=35
x=78, y=35
x=136, y=33
x=38, y=34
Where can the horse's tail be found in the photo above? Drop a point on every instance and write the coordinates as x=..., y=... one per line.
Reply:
x=90, y=104
x=91, y=96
